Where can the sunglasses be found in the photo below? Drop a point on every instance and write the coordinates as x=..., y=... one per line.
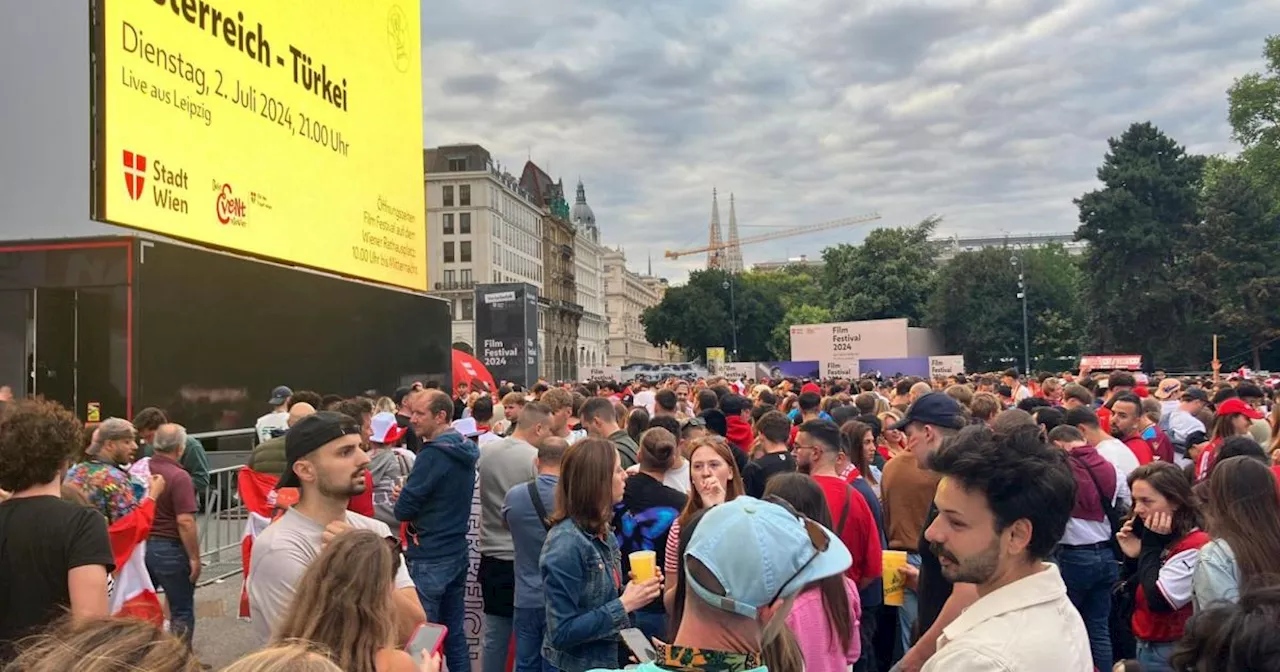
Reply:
x=397, y=553
x=693, y=422
x=817, y=538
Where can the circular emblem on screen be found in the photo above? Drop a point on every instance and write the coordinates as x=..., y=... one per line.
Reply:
x=397, y=37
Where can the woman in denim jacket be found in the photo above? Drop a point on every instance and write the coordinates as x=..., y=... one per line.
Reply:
x=1244, y=522
x=581, y=567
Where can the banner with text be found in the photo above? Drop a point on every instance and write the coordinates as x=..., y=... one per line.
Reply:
x=271, y=128
x=602, y=372
x=507, y=331
x=1111, y=362
x=847, y=369
x=715, y=361
x=894, y=367
x=946, y=365
x=849, y=341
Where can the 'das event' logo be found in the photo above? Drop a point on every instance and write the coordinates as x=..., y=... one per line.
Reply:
x=135, y=173
x=230, y=209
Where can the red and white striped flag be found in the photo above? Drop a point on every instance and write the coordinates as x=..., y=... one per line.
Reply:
x=261, y=501
x=134, y=595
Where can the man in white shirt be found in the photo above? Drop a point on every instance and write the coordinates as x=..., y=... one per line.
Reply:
x=1181, y=424
x=327, y=465
x=1084, y=419
x=1003, y=504
x=275, y=423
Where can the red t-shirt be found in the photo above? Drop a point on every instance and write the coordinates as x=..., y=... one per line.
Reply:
x=860, y=534
x=1140, y=448
x=1275, y=469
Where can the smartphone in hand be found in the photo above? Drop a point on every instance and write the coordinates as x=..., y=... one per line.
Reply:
x=428, y=636
x=639, y=645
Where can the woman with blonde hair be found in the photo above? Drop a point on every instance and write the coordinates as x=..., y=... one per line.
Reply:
x=104, y=645
x=892, y=442
x=344, y=603
x=384, y=405
x=292, y=657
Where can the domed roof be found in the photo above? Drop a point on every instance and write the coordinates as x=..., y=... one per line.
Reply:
x=582, y=214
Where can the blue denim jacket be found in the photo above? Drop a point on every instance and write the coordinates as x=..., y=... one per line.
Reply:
x=581, y=574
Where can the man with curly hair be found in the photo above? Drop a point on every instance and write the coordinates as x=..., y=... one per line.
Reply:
x=54, y=555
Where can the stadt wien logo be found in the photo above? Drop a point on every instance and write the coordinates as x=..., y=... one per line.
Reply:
x=135, y=173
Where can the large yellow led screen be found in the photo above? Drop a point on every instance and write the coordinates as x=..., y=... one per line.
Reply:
x=287, y=129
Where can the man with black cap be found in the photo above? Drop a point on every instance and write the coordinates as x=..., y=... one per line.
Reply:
x=931, y=422
x=327, y=465
x=275, y=423
x=1182, y=426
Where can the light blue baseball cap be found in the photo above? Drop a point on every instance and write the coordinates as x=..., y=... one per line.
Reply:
x=760, y=551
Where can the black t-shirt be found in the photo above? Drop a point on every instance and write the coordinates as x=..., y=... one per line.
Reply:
x=41, y=539
x=934, y=588
x=758, y=472
x=643, y=520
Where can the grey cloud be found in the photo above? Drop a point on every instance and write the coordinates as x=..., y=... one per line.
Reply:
x=992, y=113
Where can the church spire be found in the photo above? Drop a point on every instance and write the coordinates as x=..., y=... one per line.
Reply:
x=733, y=254
x=715, y=254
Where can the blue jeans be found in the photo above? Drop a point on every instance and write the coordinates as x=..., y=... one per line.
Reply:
x=1154, y=656
x=909, y=610
x=440, y=585
x=530, y=626
x=1090, y=574
x=170, y=569
x=496, y=643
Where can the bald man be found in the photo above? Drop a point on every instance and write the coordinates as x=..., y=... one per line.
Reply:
x=268, y=456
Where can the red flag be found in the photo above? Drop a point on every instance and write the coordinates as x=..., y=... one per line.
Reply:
x=134, y=595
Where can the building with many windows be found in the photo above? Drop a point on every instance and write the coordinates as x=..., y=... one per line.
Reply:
x=593, y=329
x=560, y=312
x=947, y=248
x=627, y=294
x=482, y=227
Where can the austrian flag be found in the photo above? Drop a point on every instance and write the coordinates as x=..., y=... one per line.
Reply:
x=134, y=595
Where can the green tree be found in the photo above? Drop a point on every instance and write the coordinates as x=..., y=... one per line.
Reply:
x=704, y=311
x=780, y=338
x=1137, y=227
x=1254, y=113
x=890, y=274
x=975, y=305
x=1236, y=262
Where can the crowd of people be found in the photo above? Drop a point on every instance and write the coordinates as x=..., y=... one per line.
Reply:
x=1070, y=522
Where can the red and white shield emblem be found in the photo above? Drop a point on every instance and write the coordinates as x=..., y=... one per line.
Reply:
x=135, y=173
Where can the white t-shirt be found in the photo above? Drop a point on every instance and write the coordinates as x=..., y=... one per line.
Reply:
x=644, y=399
x=269, y=424
x=281, y=555
x=1118, y=454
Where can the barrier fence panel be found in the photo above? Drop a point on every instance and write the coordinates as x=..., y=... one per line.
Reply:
x=221, y=526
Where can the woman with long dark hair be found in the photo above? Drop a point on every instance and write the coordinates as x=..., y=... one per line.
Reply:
x=861, y=451
x=1244, y=521
x=1161, y=542
x=581, y=568
x=826, y=615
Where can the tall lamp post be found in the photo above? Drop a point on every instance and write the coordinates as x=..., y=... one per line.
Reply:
x=733, y=315
x=1022, y=294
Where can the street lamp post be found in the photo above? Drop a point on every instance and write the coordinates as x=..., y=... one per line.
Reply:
x=1022, y=294
x=733, y=315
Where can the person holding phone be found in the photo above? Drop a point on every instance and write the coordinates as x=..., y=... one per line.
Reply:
x=587, y=602
x=1161, y=543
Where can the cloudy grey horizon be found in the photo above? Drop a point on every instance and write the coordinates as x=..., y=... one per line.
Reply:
x=992, y=114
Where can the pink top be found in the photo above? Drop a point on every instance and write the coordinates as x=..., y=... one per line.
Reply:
x=821, y=648
x=669, y=563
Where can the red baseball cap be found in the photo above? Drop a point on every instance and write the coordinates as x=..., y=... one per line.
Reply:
x=1236, y=405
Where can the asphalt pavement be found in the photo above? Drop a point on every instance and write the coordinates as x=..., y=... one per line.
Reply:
x=221, y=637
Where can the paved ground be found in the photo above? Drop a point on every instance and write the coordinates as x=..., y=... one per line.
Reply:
x=221, y=637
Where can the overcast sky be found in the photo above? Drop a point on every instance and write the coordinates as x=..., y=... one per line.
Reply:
x=993, y=114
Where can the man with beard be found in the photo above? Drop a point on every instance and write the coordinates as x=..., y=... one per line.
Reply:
x=1003, y=502
x=327, y=465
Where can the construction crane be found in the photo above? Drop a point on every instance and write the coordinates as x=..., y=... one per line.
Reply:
x=774, y=235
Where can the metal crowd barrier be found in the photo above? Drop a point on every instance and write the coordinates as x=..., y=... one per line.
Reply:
x=222, y=526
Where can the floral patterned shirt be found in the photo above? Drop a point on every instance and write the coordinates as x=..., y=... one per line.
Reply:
x=107, y=486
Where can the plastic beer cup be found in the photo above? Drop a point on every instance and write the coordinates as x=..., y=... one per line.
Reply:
x=644, y=565
x=894, y=585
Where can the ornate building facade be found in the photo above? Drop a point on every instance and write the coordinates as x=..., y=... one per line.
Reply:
x=593, y=329
x=559, y=311
x=627, y=294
